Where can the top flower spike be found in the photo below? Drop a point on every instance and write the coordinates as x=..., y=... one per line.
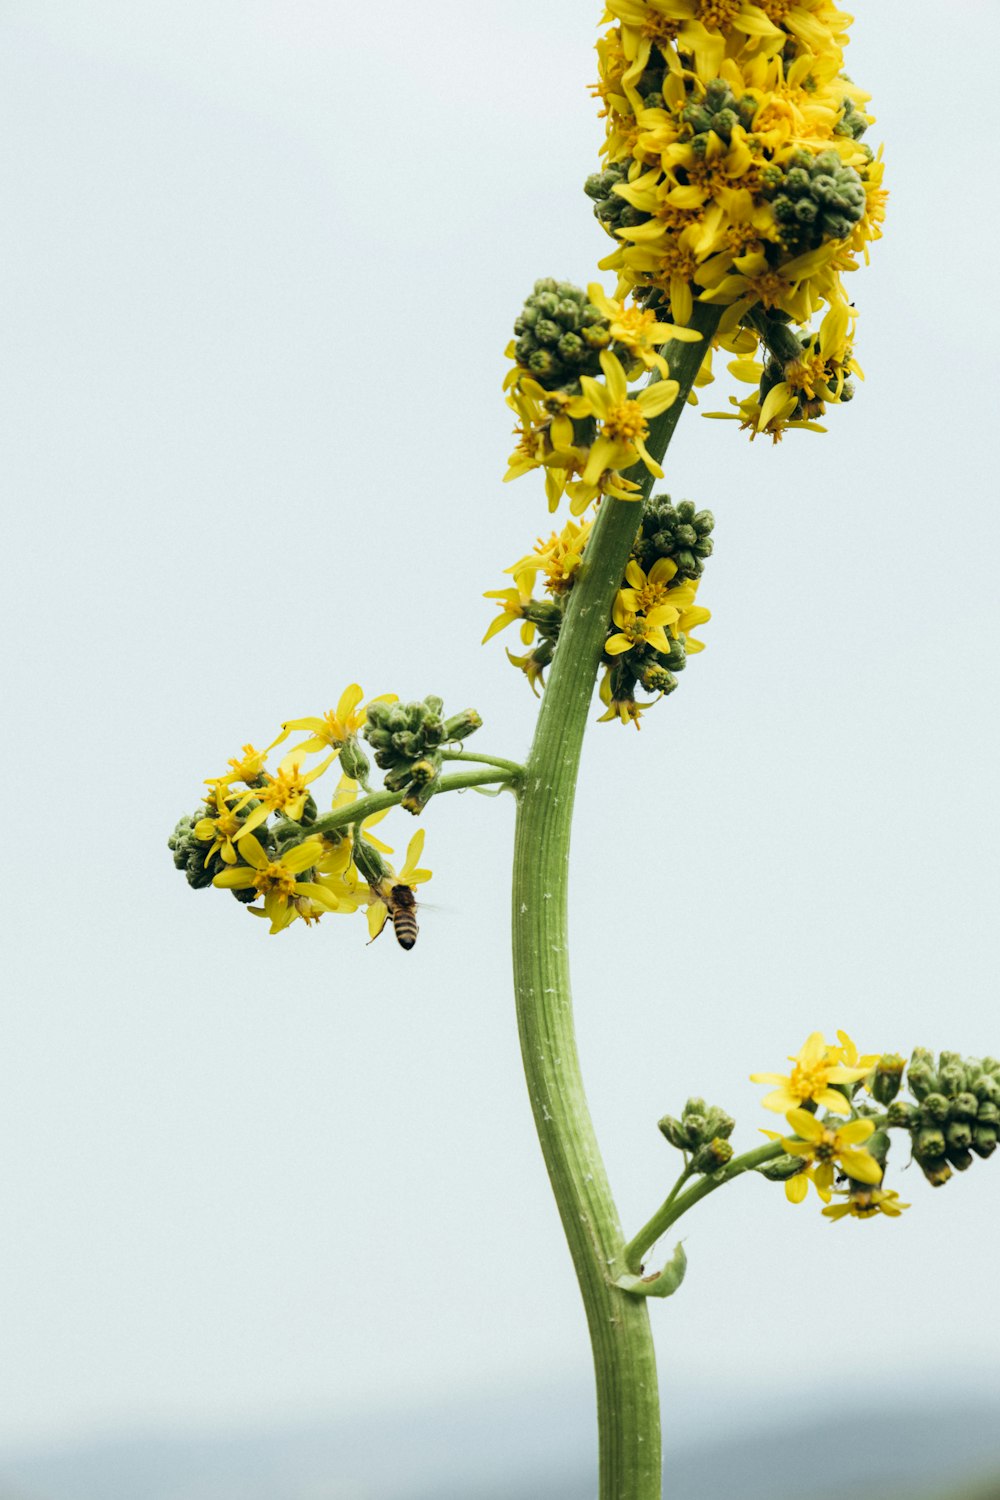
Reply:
x=735, y=174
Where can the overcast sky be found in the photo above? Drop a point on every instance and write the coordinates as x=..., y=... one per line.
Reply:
x=261, y=263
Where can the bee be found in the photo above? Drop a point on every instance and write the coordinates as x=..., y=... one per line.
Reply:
x=402, y=904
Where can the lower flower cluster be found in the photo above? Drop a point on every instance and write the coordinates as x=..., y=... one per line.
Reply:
x=649, y=634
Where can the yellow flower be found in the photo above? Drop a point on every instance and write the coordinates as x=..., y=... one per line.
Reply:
x=410, y=875
x=849, y=1054
x=817, y=1067
x=513, y=603
x=285, y=792
x=558, y=559
x=640, y=630
x=866, y=1203
x=626, y=710
x=222, y=828
x=797, y=1187
x=336, y=727
x=621, y=440
x=277, y=881
x=823, y=1146
x=637, y=330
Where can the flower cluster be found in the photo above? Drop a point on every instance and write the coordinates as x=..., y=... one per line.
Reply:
x=735, y=174
x=648, y=640
x=954, y=1116
x=260, y=834
x=575, y=355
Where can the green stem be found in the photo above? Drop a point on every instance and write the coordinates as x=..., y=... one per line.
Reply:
x=624, y=1359
x=357, y=812
x=669, y=1212
x=514, y=767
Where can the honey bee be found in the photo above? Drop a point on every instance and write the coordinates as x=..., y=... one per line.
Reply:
x=402, y=904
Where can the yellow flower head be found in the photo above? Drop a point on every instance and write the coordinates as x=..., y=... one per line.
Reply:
x=866, y=1203
x=335, y=727
x=824, y=1146
x=276, y=880
x=817, y=1068
x=624, y=419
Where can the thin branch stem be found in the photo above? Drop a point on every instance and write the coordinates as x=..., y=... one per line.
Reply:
x=514, y=767
x=357, y=812
x=672, y=1209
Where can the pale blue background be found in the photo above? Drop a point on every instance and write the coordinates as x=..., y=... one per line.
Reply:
x=261, y=263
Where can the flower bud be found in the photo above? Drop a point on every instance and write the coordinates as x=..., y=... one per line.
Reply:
x=922, y=1080
x=935, y=1108
x=888, y=1077
x=459, y=726
x=984, y=1140
x=353, y=762
x=960, y=1160
x=936, y=1170
x=959, y=1136
x=952, y=1077
x=929, y=1142
x=370, y=863
x=712, y=1156
x=782, y=1168
x=675, y=1132
x=902, y=1113
x=964, y=1107
x=988, y=1114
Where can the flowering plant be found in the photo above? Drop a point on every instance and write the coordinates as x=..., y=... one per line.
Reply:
x=737, y=191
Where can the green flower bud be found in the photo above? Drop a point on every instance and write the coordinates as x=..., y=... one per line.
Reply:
x=959, y=1135
x=460, y=726
x=935, y=1108
x=354, y=762
x=370, y=863
x=964, y=1107
x=712, y=1156
x=960, y=1160
x=674, y=1132
x=888, y=1077
x=936, y=1170
x=929, y=1142
x=418, y=796
x=902, y=1113
x=922, y=1080
x=696, y=1127
x=988, y=1113
x=782, y=1168
x=952, y=1078
x=721, y=1124
x=984, y=1140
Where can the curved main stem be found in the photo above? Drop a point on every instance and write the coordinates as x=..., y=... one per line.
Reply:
x=624, y=1358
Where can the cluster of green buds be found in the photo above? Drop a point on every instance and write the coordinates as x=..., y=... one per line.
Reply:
x=718, y=112
x=680, y=532
x=610, y=208
x=559, y=334
x=956, y=1115
x=815, y=198
x=702, y=1134
x=409, y=741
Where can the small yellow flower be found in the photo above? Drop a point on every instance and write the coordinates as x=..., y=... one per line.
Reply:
x=866, y=1203
x=558, y=559
x=277, y=880
x=513, y=603
x=624, y=419
x=221, y=828
x=335, y=727
x=285, y=792
x=640, y=630
x=816, y=1068
x=823, y=1146
x=637, y=330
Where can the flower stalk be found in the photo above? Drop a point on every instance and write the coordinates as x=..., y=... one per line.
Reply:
x=624, y=1357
